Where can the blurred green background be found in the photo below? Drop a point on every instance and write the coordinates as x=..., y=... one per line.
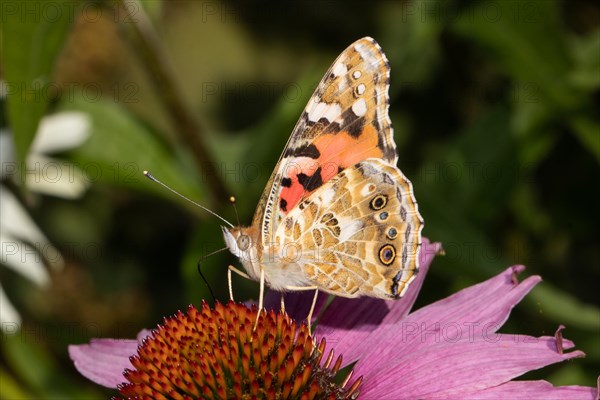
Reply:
x=495, y=110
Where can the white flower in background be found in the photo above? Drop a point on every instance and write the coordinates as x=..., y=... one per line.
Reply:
x=23, y=246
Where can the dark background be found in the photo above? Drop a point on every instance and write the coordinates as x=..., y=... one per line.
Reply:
x=494, y=106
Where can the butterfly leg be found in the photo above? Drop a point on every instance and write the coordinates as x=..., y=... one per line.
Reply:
x=312, y=309
x=313, y=305
x=230, y=269
x=229, y=284
x=260, y=296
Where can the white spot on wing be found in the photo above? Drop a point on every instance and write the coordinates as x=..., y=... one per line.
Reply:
x=356, y=74
x=360, y=89
x=311, y=104
x=366, y=190
x=359, y=107
x=324, y=110
x=369, y=53
x=348, y=228
x=327, y=196
x=340, y=69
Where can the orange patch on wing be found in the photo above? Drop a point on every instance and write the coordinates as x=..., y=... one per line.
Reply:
x=294, y=192
x=339, y=150
x=291, y=195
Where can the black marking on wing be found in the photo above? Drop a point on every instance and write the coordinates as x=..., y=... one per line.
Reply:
x=303, y=151
x=283, y=205
x=310, y=183
x=286, y=182
x=377, y=126
x=351, y=123
x=355, y=126
x=333, y=127
x=389, y=153
x=387, y=179
x=395, y=285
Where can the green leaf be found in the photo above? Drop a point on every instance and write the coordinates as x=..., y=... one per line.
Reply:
x=235, y=170
x=36, y=367
x=528, y=212
x=120, y=148
x=570, y=374
x=152, y=7
x=564, y=308
x=479, y=170
x=536, y=145
x=410, y=37
x=200, y=244
x=33, y=33
x=471, y=181
x=585, y=50
x=530, y=112
x=527, y=40
x=10, y=388
x=588, y=133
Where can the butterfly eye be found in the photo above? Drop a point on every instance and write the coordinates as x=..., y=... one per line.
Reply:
x=387, y=254
x=378, y=202
x=243, y=242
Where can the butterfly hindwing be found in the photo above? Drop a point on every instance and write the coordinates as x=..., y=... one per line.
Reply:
x=345, y=121
x=359, y=233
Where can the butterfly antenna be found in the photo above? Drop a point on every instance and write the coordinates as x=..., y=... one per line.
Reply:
x=148, y=175
x=199, y=267
x=237, y=217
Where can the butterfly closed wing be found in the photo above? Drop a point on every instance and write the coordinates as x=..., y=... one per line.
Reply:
x=337, y=215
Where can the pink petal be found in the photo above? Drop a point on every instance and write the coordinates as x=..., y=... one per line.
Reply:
x=485, y=306
x=104, y=360
x=346, y=323
x=444, y=369
x=532, y=390
x=472, y=313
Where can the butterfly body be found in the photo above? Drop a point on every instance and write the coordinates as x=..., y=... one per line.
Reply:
x=337, y=214
x=282, y=272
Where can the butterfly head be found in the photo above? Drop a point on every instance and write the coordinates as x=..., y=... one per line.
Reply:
x=242, y=243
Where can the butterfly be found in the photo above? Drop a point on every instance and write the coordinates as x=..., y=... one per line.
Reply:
x=337, y=215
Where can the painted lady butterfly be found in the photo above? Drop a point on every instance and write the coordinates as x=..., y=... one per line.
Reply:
x=337, y=215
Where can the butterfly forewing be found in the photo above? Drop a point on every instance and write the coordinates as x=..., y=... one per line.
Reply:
x=345, y=121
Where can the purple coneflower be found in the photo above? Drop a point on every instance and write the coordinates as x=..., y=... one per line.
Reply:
x=449, y=349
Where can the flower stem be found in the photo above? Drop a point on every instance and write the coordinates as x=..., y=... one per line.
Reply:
x=144, y=41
